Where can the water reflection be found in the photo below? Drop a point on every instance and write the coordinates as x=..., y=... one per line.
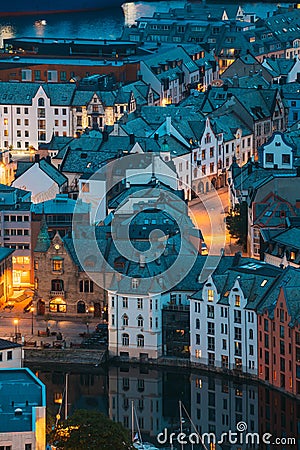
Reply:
x=215, y=404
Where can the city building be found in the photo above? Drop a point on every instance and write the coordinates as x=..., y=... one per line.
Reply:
x=6, y=274
x=62, y=287
x=281, y=247
x=58, y=213
x=41, y=178
x=277, y=153
x=11, y=354
x=223, y=317
x=16, y=234
x=279, y=334
x=23, y=410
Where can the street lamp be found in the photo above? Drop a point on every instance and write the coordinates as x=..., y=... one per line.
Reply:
x=16, y=323
x=32, y=311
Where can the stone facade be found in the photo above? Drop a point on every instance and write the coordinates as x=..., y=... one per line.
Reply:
x=62, y=287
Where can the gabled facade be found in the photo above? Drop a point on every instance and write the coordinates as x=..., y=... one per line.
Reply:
x=223, y=317
x=62, y=287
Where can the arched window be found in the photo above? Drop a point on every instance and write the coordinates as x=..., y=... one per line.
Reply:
x=57, y=285
x=140, y=340
x=125, y=320
x=125, y=339
x=58, y=305
x=41, y=102
x=198, y=324
x=140, y=321
x=81, y=307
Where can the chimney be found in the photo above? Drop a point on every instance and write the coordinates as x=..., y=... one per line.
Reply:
x=236, y=259
x=131, y=139
x=104, y=135
x=156, y=137
x=142, y=261
x=168, y=125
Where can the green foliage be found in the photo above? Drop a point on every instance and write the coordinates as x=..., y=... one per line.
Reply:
x=237, y=224
x=90, y=430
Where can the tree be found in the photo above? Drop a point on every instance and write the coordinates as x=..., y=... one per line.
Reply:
x=237, y=224
x=90, y=430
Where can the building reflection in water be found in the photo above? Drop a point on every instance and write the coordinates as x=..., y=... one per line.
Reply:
x=216, y=404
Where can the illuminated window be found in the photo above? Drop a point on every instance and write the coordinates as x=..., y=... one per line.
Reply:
x=57, y=265
x=237, y=300
x=58, y=396
x=210, y=295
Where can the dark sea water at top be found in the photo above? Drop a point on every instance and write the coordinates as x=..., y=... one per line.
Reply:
x=106, y=23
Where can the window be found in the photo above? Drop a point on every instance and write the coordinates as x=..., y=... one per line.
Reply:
x=237, y=300
x=28, y=447
x=125, y=302
x=57, y=266
x=41, y=102
x=286, y=159
x=211, y=343
x=250, y=333
x=210, y=295
x=86, y=286
x=237, y=333
x=197, y=324
x=210, y=328
x=269, y=158
x=57, y=285
x=210, y=311
x=140, y=303
x=125, y=339
x=140, y=321
x=223, y=328
x=197, y=339
x=140, y=340
x=134, y=283
x=9, y=355
x=237, y=316
x=125, y=320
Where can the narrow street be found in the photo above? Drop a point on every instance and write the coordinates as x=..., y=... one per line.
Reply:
x=209, y=213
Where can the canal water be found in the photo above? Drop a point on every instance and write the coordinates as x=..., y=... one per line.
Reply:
x=103, y=24
x=211, y=403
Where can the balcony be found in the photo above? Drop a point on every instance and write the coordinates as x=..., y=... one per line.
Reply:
x=57, y=294
x=174, y=307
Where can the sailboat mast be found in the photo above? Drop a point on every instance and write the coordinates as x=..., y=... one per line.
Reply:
x=66, y=396
x=132, y=421
x=180, y=417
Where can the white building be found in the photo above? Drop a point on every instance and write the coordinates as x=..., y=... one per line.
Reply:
x=11, y=354
x=31, y=113
x=277, y=153
x=223, y=319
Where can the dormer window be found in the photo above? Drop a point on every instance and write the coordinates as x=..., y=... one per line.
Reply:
x=134, y=283
x=237, y=300
x=210, y=295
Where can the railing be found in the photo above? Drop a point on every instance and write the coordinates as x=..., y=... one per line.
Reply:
x=57, y=293
x=177, y=307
